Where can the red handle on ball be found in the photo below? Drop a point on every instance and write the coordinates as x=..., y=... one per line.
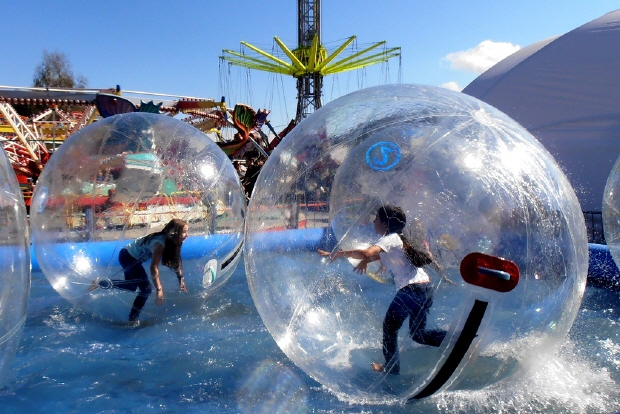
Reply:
x=490, y=272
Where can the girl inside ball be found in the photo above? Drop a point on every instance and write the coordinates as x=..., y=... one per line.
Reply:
x=414, y=296
x=161, y=247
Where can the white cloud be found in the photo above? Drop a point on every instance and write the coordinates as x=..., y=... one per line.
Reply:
x=481, y=57
x=453, y=86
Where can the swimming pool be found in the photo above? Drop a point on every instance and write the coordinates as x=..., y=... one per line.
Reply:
x=219, y=358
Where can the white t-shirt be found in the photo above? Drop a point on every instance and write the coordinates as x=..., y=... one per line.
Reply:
x=394, y=260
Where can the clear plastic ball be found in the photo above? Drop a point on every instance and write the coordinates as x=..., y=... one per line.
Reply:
x=14, y=265
x=125, y=177
x=611, y=212
x=470, y=180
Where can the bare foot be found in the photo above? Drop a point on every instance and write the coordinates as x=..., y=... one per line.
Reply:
x=94, y=285
x=376, y=367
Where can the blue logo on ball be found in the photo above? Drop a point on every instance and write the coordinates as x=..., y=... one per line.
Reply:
x=383, y=156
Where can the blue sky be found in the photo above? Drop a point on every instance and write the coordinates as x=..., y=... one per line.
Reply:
x=173, y=47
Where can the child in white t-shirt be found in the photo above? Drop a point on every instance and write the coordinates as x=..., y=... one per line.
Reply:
x=414, y=295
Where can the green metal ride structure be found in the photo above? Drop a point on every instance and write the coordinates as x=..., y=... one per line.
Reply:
x=310, y=61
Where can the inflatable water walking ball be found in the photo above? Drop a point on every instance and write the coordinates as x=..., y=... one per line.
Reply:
x=611, y=215
x=14, y=265
x=124, y=177
x=611, y=222
x=478, y=191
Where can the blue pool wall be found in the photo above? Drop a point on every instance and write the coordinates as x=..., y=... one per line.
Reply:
x=602, y=270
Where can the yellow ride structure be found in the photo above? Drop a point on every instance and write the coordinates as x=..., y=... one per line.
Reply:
x=310, y=61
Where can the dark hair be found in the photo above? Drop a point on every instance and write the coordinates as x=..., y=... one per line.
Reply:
x=172, y=247
x=396, y=220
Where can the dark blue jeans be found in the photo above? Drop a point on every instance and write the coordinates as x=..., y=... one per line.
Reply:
x=413, y=301
x=135, y=278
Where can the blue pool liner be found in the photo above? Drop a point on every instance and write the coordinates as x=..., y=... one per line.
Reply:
x=602, y=270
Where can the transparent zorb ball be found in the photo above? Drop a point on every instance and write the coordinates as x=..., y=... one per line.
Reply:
x=125, y=177
x=471, y=181
x=14, y=265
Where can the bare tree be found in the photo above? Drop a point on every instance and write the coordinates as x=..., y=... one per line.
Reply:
x=54, y=71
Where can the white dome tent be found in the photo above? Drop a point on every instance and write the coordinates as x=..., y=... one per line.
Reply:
x=566, y=92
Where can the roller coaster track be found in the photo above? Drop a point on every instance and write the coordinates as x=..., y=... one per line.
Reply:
x=23, y=133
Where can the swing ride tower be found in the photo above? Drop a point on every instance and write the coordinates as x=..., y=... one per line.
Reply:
x=310, y=62
x=309, y=84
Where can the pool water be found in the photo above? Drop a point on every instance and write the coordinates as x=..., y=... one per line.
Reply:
x=219, y=358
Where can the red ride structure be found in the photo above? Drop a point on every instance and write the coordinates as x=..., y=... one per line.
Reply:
x=29, y=141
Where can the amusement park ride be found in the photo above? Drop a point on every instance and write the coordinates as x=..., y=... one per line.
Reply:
x=310, y=62
x=29, y=141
